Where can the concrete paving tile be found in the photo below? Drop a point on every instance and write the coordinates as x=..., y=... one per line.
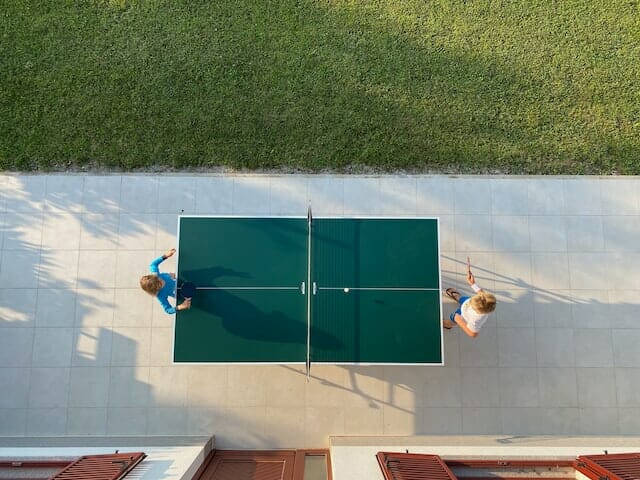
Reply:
x=251, y=195
x=582, y=196
x=91, y=347
x=558, y=387
x=516, y=347
x=207, y=386
x=545, y=196
x=364, y=420
x=599, y=421
x=132, y=308
x=137, y=231
x=99, y=231
x=442, y=387
x=25, y=193
x=326, y=194
x=63, y=193
x=55, y=308
x=588, y=271
x=441, y=421
x=361, y=195
x=58, y=269
x=548, y=233
x=400, y=421
x=86, y=421
x=94, y=307
x=286, y=426
x=398, y=196
x=541, y=421
x=126, y=421
x=481, y=351
x=168, y=386
x=19, y=269
x=627, y=381
x=102, y=193
x=49, y=387
x=480, y=387
x=246, y=385
x=214, y=195
x=244, y=428
x=550, y=271
x=512, y=271
x=481, y=421
x=472, y=195
x=167, y=421
x=625, y=347
x=289, y=195
x=61, y=231
x=452, y=340
x=89, y=387
x=621, y=233
x=482, y=265
x=596, y=387
x=128, y=387
x=130, y=346
x=364, y=386
x=22, y=231
x=17, y=307
x=16, y=346
x=473, y=233
x=403, y=387
x=620, y=196
x=552, y=308
x=585, y=233
x=509, y=196
x=593, y=347
x=623, y=307
x=161, y=353
x=176, y=194
x=14, y=385
x=130, y=265
x=629, y=421
x=434, y=196
x=518, y=387
x=514, y=308
x=13, y=422
x=96, y=269
x=555, y=347
x=326, y=387
x=52, y=347
x=619, y=272
x=139, y=194
x=204, y=420
x=46, y=421
x=446, y=225
x=510, y=233
x=166, y=232
x=590, y=309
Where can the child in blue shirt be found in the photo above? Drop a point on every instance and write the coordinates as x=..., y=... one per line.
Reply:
x=163, y=285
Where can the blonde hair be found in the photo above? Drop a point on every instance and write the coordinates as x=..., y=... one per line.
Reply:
x=483, y=302
x=151, y=284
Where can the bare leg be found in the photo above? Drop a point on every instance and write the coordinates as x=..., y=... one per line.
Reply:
x=446, y=323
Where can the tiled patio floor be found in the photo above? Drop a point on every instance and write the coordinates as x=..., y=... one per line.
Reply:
x=84, y=351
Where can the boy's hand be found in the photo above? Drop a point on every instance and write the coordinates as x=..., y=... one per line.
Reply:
x=470, y=278
x=185, y=305
x=170, y=253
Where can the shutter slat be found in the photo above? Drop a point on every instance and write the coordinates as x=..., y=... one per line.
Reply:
x=411, y=466
x=618, y=466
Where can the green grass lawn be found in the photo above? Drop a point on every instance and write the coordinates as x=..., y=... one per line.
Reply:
x=532, y=86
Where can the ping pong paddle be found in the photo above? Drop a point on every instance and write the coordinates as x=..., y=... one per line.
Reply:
x=188, y=289
x=468, y=265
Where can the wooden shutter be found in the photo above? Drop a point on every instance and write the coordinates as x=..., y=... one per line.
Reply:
x=618, y=466
x=412, y=466
x=249, y=465
x=100, y=467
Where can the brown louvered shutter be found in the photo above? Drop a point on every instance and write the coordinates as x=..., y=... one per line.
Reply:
x=250, y=465
x=100, y=467
x=617, y=466
x=413, y=466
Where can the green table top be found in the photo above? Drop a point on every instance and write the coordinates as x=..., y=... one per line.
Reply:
x=251, y=304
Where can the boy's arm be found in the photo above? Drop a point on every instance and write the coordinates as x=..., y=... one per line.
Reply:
x=153, y=268
x=463, y=325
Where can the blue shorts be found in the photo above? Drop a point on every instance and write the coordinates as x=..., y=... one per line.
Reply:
x=458, y=310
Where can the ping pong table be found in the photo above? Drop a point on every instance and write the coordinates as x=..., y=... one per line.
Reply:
x=309, y=290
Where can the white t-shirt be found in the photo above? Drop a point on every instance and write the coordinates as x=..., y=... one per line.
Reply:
x=474, y=319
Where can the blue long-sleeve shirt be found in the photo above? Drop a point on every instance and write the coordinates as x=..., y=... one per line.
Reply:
x=169, y=289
